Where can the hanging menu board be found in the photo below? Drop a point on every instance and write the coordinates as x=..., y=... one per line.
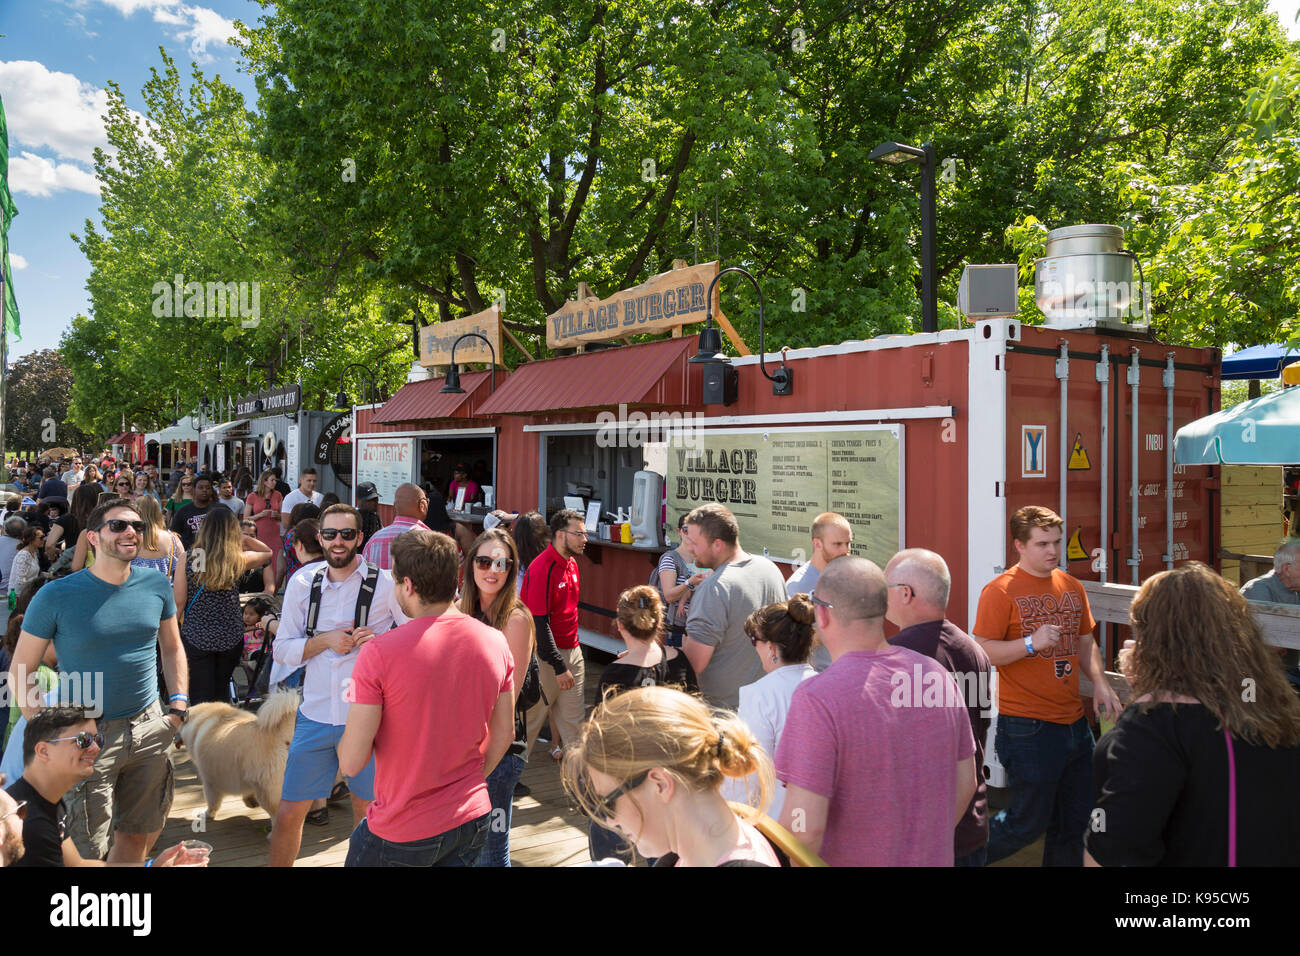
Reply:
x=387, y=462
x=777, y=482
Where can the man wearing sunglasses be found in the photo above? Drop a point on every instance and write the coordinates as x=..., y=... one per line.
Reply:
x=60, y=745
x=327, y=647
x=411, y=503
x=106, y=624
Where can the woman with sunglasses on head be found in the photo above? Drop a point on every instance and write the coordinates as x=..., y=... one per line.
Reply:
x=212, y=627
x=1203, y=766
x=263, y=506
x=650, y=763
x=782, y=634
x=488, y=594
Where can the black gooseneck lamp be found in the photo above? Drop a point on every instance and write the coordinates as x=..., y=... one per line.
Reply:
x=452, y=386
x=342, y=400
x=710, y=348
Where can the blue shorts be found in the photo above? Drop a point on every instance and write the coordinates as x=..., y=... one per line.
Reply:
x=314, y=763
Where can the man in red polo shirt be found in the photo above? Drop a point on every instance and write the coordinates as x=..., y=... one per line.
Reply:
x=550, y=590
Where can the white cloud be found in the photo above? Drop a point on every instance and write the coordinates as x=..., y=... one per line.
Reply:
x=17, y=261
x=201, y=27
x=51, y=109
x=37, y=176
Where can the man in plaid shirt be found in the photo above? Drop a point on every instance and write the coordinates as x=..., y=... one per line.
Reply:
x=411, y=504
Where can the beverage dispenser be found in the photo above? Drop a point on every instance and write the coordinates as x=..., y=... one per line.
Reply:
x=647, y=495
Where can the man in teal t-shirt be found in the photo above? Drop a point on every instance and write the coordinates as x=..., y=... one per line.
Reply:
x=106, y=623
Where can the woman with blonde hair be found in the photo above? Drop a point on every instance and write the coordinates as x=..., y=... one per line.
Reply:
x=650, y=763
x=212, y=626
x=160, y=549
x=488, y=594
x=263, y=506
x=1203, y=767
x=183, y=495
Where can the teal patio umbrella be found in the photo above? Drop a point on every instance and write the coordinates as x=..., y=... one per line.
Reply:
x=1262, y=431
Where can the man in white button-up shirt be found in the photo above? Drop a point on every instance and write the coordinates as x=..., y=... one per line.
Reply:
x=328, y=657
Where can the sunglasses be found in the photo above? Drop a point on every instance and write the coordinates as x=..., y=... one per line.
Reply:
x=347, y=534
x=20, y=809
x=83, y=739
x=816, y=600
x=485, y=563
x=603, y=807
x=123, y=484
x=118, y=525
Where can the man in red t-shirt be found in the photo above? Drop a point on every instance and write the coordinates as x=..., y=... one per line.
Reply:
x=1034, y=623
x=433, y=700
x=550, y=590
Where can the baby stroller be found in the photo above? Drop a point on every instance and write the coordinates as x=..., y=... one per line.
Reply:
x=249, y=683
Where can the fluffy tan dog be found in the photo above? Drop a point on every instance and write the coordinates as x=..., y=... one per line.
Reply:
x=237, y=752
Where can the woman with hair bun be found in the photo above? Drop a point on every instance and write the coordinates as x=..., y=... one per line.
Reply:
x=647, y=662
x=782, y=634
x=650, y=764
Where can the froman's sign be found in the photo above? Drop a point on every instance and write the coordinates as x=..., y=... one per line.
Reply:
x=436, y=340
x=667, y=300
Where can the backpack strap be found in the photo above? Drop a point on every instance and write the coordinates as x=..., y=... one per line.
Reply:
x=783, y=841
x=313, y=604
x=365, y=596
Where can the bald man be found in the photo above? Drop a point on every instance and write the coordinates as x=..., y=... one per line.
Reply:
x=876, y=754
x=832, y=538
x=411, y=504
x=919, y=582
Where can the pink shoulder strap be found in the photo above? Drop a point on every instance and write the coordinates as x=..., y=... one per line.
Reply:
x=1232, y=801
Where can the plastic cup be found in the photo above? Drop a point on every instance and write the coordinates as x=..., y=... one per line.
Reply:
x=194, y=853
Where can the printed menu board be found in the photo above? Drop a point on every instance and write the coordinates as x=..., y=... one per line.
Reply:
x=388, y=462
x=777, y=482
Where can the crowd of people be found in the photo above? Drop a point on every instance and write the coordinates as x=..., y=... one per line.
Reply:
x=838, y=717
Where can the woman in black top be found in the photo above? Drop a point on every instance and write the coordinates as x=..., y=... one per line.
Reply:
x=1203, y=768
x=488, y=593
x=212, y=628
x=646, y=662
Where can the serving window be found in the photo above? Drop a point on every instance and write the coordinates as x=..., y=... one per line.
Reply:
x=594, y=467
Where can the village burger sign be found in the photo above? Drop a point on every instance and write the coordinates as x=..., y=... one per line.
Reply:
x=670, y=299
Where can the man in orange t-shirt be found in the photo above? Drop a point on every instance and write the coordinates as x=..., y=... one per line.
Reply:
x=1033, y=622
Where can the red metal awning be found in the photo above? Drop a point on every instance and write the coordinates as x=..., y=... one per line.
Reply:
x=118, y=439
x=656, y=373
x=421, y=401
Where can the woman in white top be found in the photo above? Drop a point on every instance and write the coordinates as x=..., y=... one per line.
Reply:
x=26, y=565
x=782, y=634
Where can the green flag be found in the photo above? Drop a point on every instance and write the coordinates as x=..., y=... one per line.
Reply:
x=7, y=212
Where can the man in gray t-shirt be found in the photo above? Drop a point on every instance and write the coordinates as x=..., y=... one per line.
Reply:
x=716, y=645
x=1279, y=586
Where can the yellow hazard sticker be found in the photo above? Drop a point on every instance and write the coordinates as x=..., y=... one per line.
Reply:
x=1079, y=460
x=1075, y=550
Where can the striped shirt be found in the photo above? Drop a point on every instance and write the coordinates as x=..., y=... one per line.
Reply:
x=377, y=547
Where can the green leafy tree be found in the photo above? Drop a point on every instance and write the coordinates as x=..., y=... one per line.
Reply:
x=38, y=392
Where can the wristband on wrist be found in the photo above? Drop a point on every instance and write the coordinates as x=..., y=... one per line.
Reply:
x=1029, y=644
x=175, y=697
x=148, y=863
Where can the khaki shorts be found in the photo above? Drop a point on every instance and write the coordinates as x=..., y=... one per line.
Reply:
x=131, y=788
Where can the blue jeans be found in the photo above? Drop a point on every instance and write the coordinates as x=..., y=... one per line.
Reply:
x=1050, y=766
x=459, y=846
x=501, y=790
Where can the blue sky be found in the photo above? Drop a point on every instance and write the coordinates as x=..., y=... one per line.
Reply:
x=56, y=56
